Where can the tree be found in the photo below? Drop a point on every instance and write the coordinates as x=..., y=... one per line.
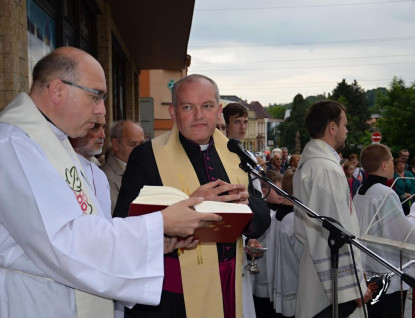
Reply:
x=277, y=111
x=398, y=121
x=295, y=122
x=353, y=97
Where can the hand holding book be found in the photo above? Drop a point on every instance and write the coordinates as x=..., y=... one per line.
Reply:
x=180, y=219
x=172, y=243
x=212, y=191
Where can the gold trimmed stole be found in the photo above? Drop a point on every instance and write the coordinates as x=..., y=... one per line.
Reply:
x=23, y=113
x=200, y=267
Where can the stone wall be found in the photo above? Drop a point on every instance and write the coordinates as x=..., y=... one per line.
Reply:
x=13, y=50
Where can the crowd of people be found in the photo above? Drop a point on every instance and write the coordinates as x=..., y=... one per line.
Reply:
x=68, y=247
x=402, y=181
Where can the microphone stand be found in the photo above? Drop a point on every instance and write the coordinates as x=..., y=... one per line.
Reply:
x=337, y=238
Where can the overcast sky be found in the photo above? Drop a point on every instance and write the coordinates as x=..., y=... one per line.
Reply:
x=271, y=50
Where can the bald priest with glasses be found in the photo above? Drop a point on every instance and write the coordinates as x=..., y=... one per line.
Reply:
x=60, y=254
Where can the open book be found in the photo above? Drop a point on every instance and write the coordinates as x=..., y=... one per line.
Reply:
x=234, y=216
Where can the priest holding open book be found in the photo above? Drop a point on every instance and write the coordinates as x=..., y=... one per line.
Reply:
x=193, y=157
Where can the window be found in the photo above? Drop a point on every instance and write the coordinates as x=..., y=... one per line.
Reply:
x=118, y=83
x=70, y=23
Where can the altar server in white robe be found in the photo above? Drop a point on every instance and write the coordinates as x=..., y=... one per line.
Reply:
x=380, y=214
x=288, y=250
x=320, y=183
x=54, y=239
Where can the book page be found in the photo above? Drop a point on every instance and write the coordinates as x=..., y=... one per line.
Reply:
x=222, y=207
x=160, y=195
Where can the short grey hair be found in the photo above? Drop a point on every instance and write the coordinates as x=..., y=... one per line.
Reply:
x=55, y=65
x=189, y=79
x=117, y=128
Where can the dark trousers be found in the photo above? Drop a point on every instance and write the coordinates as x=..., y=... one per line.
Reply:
x=264, y=308
x=389, y=306
x=171, y=306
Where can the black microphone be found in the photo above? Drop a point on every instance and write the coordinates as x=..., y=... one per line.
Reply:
x=235, y=146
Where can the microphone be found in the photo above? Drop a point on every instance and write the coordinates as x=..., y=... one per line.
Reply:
x=235, y=146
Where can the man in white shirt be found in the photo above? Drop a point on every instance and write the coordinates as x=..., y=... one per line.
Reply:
x=59, y=255
x=320, y=183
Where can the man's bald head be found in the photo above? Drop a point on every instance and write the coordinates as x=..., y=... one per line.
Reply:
x=61, y=63
x=66, y=86
x=125, y=136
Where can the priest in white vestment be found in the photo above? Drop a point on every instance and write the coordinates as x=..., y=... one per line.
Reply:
x=59, y=255
x=320, y=184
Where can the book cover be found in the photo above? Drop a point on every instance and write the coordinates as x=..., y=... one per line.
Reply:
x=235, y=217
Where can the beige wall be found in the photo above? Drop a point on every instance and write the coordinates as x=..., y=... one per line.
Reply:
x=160, y=92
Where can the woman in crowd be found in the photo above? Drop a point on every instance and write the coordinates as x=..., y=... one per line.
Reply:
x=353, y=182
x=405, y=188
x=358, y=172
x=294, y=160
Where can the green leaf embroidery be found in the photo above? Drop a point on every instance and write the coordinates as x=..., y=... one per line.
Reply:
x=72, y=179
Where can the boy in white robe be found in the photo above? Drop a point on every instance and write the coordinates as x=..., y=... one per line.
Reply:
x=263, y=282
x=380, y=213
x=288, y=254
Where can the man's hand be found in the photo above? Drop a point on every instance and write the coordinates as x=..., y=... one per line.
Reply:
x=171, y=243
x=180, y=219
x=253, y=243
x=211, y=191
x=241, y=190
x=367, y=296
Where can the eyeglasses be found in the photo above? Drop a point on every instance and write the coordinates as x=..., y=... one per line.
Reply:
x=99, y=94
x=278, y=158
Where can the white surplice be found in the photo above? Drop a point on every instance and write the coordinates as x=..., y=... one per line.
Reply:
x=263, y=282
x=288, y=250
x=320, y=184
x=99, y=185
x=48, y=246
x=380, y=213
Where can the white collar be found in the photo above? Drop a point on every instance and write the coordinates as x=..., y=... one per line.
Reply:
x=204, y=147
x=58, y=133
x=334, y=152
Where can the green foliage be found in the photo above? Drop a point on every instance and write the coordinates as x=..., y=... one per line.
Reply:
x=277, y=111
x=295, y=122
x=398, y=121
x=353, y=97
x=372, y=94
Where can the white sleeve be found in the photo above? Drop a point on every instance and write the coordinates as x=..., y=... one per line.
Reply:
x=118, y=258
x=411, y=215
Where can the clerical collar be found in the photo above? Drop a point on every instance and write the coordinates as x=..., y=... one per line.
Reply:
x=334, y=152
x=283, y=210
x=204, y=147
x=370, y=181
x=195, y=146
x=58, y=133
x=273, y=206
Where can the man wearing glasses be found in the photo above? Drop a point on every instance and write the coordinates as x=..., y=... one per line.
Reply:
x=404, y=155
x=60, y=256
x=276, y=163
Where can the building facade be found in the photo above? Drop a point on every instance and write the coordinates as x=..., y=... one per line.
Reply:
x=126, y=37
